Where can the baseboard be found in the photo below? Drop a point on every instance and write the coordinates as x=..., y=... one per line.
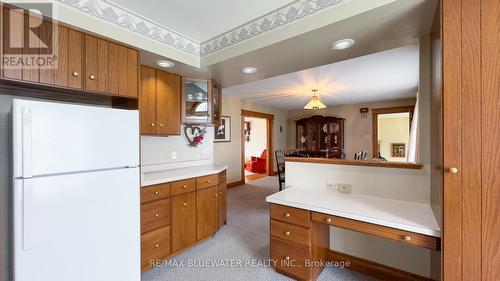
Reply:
x=374, y=269
x=236, y=183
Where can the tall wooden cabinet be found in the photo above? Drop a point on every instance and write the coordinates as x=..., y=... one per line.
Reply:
x=321, y=136
x=160, y=102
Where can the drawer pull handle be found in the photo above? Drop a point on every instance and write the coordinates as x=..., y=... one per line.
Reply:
x=152, y=124
x=92, y=77
x=75, y=73
x=407, y=238
x=161, y=125
x=328, y=220
x=184, y=186
x=287, y=258
x=216, y=194
x=220, y=192
x=287, y=233
x=157, y=192
x=287, y=215
x=157, y=246
x=157, y=215
x=209, y=181
x=184, y=204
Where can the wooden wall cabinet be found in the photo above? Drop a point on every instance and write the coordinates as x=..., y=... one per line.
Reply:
x=201, y=101
x=85, y=62
x=159, y=102
x=177, y=215
x=321, y=136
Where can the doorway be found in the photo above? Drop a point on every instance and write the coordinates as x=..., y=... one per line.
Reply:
x=256, y=145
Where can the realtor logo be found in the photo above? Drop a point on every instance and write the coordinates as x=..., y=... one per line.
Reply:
x=30, y=37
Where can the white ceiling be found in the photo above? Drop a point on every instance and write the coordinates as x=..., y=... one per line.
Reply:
x=202, y=20
x=391, y=74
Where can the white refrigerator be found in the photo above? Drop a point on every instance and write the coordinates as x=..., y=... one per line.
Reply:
x=76, y=193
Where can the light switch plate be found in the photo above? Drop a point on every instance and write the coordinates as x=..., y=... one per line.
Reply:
x=174, y=155
x=344, y=187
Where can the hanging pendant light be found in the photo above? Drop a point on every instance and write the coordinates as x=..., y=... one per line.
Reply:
x=314, y=103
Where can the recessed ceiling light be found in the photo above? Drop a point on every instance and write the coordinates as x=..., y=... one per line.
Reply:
x=165, y=63
x=342, y=44
x=248, y=69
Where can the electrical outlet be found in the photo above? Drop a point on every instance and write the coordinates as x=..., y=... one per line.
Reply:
x=344, y=187
x=174, y=155
x=203, y=154
x=331, y=185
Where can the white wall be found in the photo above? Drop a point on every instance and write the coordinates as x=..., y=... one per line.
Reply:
x=229, y=153
x=393, y=130
x=156, y=152
x=399, y=184
x=258, y=137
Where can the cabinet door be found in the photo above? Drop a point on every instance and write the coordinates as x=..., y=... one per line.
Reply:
x=132, y=72
x=216, y=105
x=69, y=64
x=168, y=117
x=222, y=205
x=96, y=64
x=147, y=101
x=207, y=212
x=183, y=220
x=13, y=21
x=196, y=100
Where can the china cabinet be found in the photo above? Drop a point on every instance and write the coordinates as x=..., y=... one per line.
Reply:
x=321, y=136
x=201, y=101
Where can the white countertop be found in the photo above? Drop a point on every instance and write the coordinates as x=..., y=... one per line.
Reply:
x=414, y=217
x=152, y=178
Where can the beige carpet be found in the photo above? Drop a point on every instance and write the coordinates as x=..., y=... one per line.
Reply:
x=240, y=249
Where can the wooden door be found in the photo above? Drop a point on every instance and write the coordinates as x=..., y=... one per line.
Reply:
x=471, y=147
x=168, y=103
x=222, y=205
x=96, y=64
x=183, y=221
x=207, y=212
x=147, y=101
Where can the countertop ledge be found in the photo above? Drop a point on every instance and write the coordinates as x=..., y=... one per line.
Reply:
x=158, y=177
x=408, y=216
x=366, y=163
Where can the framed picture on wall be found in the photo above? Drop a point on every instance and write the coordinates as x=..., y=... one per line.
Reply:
x=223, y=132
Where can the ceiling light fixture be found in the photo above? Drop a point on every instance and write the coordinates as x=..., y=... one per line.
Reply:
x=248, y=69
x=314, y=103
x=342, y=44
x=165, y=63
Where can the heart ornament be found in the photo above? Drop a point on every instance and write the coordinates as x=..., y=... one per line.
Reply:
x=194, y=135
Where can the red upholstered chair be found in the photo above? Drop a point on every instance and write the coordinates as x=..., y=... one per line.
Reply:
x=257, y=164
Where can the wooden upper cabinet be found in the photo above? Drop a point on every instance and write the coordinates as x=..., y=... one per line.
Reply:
x=207, y=211
x=96, y=64
x=123, y=70
x=168, y=103
x=201, y=101
x=147, y=101
x=160, y=102
x=216, y=110
x=132, y=73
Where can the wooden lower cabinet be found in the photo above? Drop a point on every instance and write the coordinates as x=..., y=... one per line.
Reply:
x=183, y=220
x=207, y=212
x=176, y=215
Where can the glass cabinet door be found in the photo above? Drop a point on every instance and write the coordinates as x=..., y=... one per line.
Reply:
x=216, y=103
x=196, y=101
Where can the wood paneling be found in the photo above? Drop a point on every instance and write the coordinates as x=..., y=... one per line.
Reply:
x=155, y=192
x=155, y=215
x=91, y=63
x=123, y=68
x=147, y=100
x=102, y=66
x=290, y=215
x=206, y=212
x=13, y=23
x=132, y=72
x=490, y=129
x=114, y=69
x=183, y=220
x=32, y=72
x=47, y=75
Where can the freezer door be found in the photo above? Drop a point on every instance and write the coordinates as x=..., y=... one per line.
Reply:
x=78, y=227
x=55, y=138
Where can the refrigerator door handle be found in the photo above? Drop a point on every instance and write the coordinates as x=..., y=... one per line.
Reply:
x=27, y=215
x=26, y=141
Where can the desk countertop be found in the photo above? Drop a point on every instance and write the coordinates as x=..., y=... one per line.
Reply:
x=152, y=178
x=409, y=216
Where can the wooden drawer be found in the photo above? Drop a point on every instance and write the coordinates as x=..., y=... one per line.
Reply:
x=222, y=177
x=290, y=259
x=155, y=192
x=154, y=245
x=417, y=239
x=290, y=215
x=183, y=186
x=207, y=181
x=155, y=215
x=291, y=233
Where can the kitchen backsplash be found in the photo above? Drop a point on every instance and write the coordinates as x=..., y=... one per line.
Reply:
x=159, y=153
